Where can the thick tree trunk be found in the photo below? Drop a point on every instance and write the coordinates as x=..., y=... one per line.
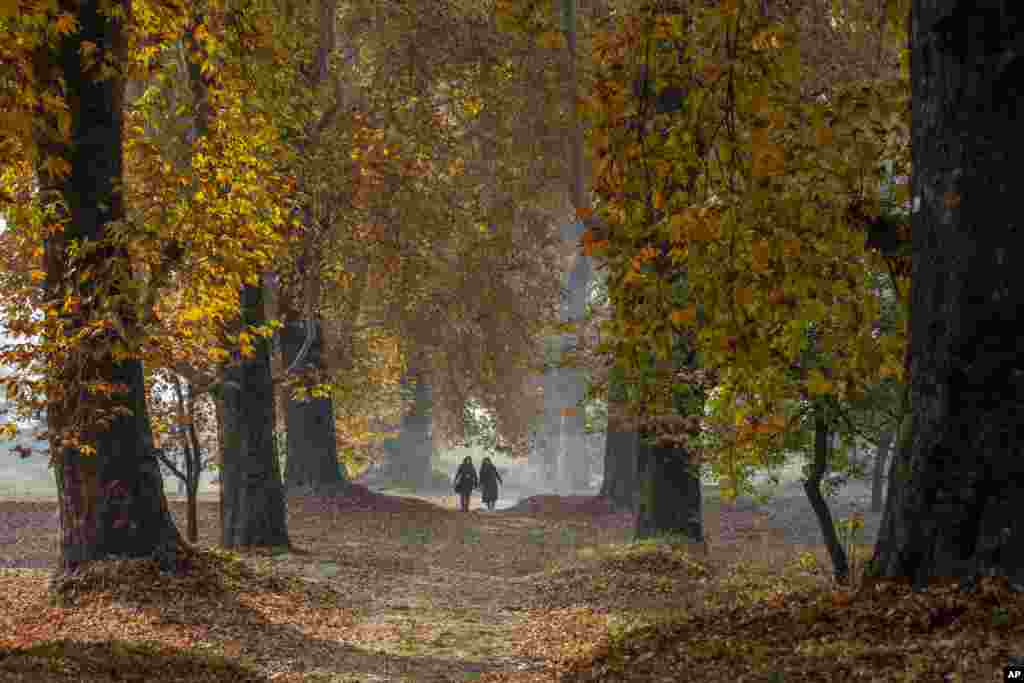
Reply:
x=252, y=496
x=312, y=449
x=878, y=472
x=812, y=487
x=621, y=448
x=670, y=495
x=957, y=479
x=574, y=467
x=111, y=503
x=410, y=454
x=622, y=451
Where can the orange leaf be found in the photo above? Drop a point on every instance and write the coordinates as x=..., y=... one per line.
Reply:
x=683, y=316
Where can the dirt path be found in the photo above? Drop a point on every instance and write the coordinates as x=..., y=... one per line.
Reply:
x=440, y=595
x=423, y=592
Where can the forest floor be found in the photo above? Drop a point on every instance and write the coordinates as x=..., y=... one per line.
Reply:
x=387, y=588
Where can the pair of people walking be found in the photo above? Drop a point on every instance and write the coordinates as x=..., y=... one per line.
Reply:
x=466, y=480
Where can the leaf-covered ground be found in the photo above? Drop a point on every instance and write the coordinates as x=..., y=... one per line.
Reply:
x=382, y=588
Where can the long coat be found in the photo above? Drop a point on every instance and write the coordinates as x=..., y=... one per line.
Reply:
x=465, y=479
x=489, y=479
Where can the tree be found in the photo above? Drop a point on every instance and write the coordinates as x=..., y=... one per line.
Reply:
x=740, y=160
x=957, y=475
x=881, y=459
x=812, y=487
x=253, y=509
x=192, y=461
x=108, y=480
x=622, y=448
x=311, y=445
x=410, y=453
x=669, y=466
x=309, y=412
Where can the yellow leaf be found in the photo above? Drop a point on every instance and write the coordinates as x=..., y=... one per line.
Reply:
x=761, y=256
x=57, y=167
x=891, y=369
x=769, y=160
x=65, y=24
x=745, y=296
x=823, y=135
x=551, y=40
x=817, y=384
x=38, y=276
x=192, y=314
x=699, y=225
x=765, y=39
x=681, y=317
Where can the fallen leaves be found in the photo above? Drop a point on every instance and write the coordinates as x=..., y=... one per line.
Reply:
x=381, y=586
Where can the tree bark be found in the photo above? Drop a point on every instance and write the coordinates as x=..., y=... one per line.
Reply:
x=878, y=472
x=574, y=468
x=621, y=450
x=111, y=503
x=410, y=454
x=312, y=459
x=312, y=448
x=253, y=511
x=670, y=495
x=957, y=479
x=812, y=487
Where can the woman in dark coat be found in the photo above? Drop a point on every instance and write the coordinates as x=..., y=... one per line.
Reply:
x=489, y=480
x=465, y=481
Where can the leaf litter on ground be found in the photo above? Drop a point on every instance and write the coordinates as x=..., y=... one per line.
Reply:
x=380, y=588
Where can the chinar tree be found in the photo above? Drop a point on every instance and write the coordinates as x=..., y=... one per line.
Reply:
x=953, y=507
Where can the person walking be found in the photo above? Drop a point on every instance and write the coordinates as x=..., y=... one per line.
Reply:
x=489, y=480
x=465, y=481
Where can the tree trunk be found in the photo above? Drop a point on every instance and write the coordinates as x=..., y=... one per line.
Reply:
x=575, y=467
x=192, y=460
x=410, y=454
x=621, y=454
x=253, y=510
x=310, y=429
x=812, y=487
x=566, y=451
x=111, y=503
x=550, y=434
x=670, y=496
x=199, y=465
x=878, y=473
x=957, y=479
x=621, y=448
x=312, y=448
